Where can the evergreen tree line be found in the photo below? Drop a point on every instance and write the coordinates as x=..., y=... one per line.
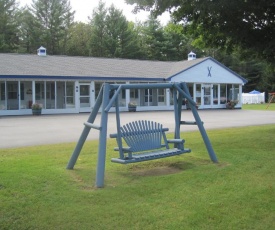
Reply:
x=50, y=23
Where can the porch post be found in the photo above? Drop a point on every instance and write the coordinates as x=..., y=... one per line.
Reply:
x=33, y=92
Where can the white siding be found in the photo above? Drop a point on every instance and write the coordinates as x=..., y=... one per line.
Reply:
x=200, y=74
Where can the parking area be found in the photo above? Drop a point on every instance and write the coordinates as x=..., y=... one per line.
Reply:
x=18, y=131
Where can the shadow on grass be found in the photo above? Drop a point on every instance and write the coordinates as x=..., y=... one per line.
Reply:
x=160, y=168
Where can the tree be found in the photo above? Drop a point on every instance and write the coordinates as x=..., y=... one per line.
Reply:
x=153, y=37
x=97, y=22
x=225, y=24
x=29, y=34
x=79, y=40
x=8, y=26
x=176, y=43
x=112, y=35
x=55, y=18
x=133, y=43
x=120, y=36
x=116, y=32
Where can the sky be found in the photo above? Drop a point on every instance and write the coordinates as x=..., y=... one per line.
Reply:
x=84, y=8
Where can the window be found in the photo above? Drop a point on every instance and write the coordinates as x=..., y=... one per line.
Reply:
x=39, y=90
x=235, y=95
x=50, y=95
x=215, y=94
x=190, y=88
x=223, y=95
x=22, y=92
x=97, y=88
x=133, y=93
x=60, y=94
x=233, y=92
x=148, y=95
x=2, y=95
x=70, y=93
x=198, y=94
x=161, y=96
x=2, y=91
x=12, y=89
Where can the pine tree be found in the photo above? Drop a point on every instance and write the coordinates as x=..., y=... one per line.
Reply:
x=97, y=22
x=153, y=37
x=55, y=18
x=8, y=26
x=28, y=32
x=112, y=35
x=79, y=39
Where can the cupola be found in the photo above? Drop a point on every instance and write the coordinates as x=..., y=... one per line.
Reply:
x=42, y=51
x=191, y=56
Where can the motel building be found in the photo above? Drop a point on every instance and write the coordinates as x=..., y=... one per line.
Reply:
x=63, y=84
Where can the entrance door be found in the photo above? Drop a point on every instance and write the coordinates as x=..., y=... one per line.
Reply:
x=84, y=94
x=211, y=98
x=207, y=95
x=148, y=97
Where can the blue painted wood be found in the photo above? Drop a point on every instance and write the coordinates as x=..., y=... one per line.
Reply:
x=85, y=131
x=119, y=140
x=204, y=135
x=142, y=136
x=146, y=140
x=189, y=122
x=100, y=170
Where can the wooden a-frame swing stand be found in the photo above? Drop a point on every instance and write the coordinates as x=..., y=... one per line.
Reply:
x=105, y=101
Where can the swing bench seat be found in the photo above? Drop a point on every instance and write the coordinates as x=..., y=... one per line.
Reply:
x=145, y=140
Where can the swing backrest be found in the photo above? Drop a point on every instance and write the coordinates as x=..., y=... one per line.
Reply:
x=144, y=135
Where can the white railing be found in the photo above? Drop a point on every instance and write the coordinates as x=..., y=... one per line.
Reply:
x=248, y=98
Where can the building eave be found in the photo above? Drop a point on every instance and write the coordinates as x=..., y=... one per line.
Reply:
x=79, y=78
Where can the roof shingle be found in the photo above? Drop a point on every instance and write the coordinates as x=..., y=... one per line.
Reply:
x=34, y=65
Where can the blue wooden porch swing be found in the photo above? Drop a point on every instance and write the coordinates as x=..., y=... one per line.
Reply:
x=145, y=140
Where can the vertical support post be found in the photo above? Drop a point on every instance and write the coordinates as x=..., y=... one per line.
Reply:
x=180, y=100
x=119, y=141
x=177, y=107
x=201, y=127
x=85, y=131
x=176, y=114
x=100, y=171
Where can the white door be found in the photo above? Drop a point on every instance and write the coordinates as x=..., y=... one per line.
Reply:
x=207, y=96
x=211, y=96
x=148, y=97
x=84, y=97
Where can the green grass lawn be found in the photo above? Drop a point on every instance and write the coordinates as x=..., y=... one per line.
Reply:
x=183, y=192
x=271, y=107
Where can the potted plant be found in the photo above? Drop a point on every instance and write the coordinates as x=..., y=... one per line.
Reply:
x=231, y=104
x=36, y=109
x=132, y=107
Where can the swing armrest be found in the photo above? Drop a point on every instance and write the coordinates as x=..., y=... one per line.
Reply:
x=124, y=149
x=176, y=141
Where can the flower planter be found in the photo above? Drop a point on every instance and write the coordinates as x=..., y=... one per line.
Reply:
x=36, y=112
x=132, y=108
x=230, y=107
x=231, y=104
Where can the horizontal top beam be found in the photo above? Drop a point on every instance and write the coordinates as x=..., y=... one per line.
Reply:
x=145, y=86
